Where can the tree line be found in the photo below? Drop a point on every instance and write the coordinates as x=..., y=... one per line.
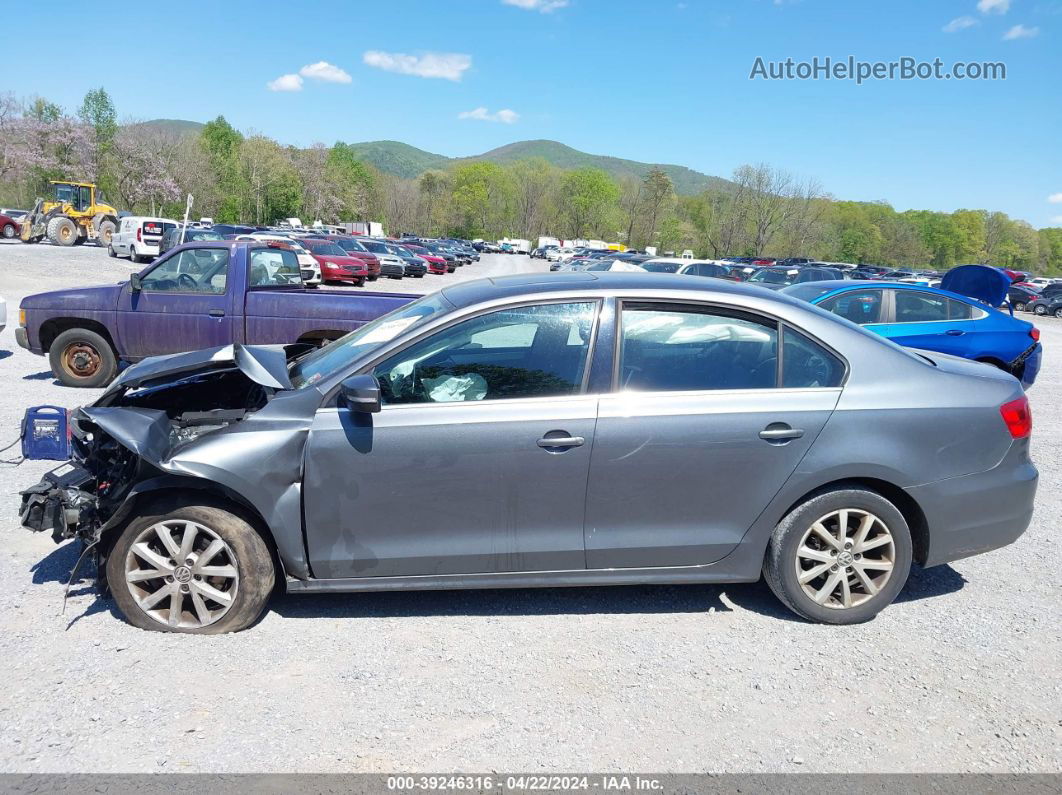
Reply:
x=247, y=177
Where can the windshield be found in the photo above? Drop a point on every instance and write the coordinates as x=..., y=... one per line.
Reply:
x=807, y=292
x=769, y=276
x=331, y=358
x=661, y=267
x=377, y=248
x=351, y=245
x=327, y=249
x=194, y=234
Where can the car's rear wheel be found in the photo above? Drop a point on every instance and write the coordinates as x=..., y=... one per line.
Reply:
x=1040, y=310
x=111, y=251
x=1019, y=307
x=9, y=231
x=840, y=557
x=1058, y=313
x=197, y=569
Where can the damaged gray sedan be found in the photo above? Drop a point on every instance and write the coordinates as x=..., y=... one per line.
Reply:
x=587, y=429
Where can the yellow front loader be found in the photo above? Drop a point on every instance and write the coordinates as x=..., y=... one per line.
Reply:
x=74, y=214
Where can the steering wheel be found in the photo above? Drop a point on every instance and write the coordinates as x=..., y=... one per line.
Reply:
x=187, y=280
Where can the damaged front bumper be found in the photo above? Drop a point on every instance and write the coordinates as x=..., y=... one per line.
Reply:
x=64, y=502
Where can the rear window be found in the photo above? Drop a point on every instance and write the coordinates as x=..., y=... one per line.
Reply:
x=273, y=267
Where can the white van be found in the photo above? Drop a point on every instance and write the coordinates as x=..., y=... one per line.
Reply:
x=138, y=237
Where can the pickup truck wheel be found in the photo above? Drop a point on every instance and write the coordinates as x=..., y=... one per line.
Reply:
x=196, y=569
x=82, y=358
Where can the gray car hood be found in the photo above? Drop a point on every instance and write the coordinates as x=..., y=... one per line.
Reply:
x=264, y=364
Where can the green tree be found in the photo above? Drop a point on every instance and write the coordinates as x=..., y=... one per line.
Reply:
x=1050, y=251
x=588, y=198
x=98, y=112
x=222, y=144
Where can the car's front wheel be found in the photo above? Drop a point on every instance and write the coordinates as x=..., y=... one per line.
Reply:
x=1058, y=313
x=198, y=569
x=1040, y=309
x=840, y=557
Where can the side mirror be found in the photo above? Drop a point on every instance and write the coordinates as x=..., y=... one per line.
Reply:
x=134, y=283
x=361, y=393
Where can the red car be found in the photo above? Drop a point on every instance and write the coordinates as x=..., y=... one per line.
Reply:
x=336, y=266
x=436, y=264
x=764, y=261
x=9, y=227
x=354, y=249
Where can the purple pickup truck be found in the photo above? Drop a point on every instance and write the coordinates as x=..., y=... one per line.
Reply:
x=200, y=295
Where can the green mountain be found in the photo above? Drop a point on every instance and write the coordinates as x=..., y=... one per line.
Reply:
x=686, y=180
x=179, y=126
x=403, y=160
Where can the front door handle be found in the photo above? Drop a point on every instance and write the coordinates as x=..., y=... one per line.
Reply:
x=549, y=442
x=217, y=313
x=954, y=332
x=780, y=432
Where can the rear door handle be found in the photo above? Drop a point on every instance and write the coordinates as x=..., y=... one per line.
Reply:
x=776, y=432
x=954, y=332
x=217, y=313
x=547, y=442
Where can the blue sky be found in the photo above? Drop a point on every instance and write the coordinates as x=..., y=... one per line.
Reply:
x=655, y=81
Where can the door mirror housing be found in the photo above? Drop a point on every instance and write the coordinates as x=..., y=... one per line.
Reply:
x=361, y=393
x=134, y=283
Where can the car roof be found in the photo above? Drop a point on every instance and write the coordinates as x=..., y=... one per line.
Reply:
x=471, y=292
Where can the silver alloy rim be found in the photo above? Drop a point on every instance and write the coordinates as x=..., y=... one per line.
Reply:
x=845, y=558
x=182, y=574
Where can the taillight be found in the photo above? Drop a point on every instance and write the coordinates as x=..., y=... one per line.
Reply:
x=1035, y=334
x=139, y=238
x=1018, y=417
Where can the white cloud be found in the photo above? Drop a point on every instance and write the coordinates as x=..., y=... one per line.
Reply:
x=993, y=6
x=960, y=23
x=1055, y=198
x=322, y=70
x=1020, y=32
x=445, y=65
x=285, y=83
x=543, y=6
x=504, y=116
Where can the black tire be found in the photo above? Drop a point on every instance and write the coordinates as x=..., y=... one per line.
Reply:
x=418, y=275
x=780, y=563
x=1058, y=313
x=133, y=256
x=1019, y=307
x=252, y=559
x=1040, y=310
x=373, y=278
x=82, y=358
x=104, y=233
x=9, y=231
x=110, y=252
x=359, y=283
x=61, y=231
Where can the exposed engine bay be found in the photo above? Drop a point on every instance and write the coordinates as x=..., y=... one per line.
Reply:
x=152, y=413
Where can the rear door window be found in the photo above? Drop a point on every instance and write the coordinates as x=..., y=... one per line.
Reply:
x=678, y=348
x=913, y=306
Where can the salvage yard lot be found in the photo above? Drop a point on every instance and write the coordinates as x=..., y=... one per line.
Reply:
x=959, y=675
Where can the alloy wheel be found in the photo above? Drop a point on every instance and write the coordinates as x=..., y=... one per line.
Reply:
x=845, y=558
x=182, y=574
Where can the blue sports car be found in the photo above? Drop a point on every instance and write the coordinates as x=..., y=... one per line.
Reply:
x=944, y=320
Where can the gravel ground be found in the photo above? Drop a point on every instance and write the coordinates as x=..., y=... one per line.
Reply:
x=961, y=674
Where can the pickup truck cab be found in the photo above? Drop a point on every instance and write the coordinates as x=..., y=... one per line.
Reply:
x=198, y=295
